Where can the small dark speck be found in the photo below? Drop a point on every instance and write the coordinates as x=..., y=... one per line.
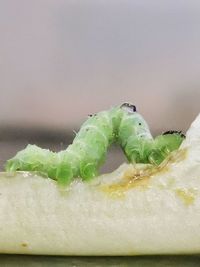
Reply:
x=140, y=123
x=24, y=245
x=92, y=115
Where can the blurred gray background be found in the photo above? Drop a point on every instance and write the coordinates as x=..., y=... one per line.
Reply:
x=61, y=60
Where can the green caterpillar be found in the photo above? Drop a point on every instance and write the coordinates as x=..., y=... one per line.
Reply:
x=88, y=151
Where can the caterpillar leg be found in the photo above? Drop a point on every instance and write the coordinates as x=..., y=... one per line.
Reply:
x=88, y=170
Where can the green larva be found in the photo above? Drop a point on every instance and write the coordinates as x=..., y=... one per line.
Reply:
x=88, y=151
x=82, y=158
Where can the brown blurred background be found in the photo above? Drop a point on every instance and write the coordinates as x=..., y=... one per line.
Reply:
x=61, y=60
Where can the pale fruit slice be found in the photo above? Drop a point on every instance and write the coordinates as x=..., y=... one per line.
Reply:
x=135, y=210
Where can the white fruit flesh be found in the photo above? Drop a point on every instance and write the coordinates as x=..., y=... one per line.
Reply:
x=135, y=210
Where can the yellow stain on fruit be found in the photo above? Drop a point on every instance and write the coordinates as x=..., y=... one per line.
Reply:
x=139, y=175
x=186, y=195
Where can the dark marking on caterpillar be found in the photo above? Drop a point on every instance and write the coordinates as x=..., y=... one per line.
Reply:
x=174, y=132
x=130, y=107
